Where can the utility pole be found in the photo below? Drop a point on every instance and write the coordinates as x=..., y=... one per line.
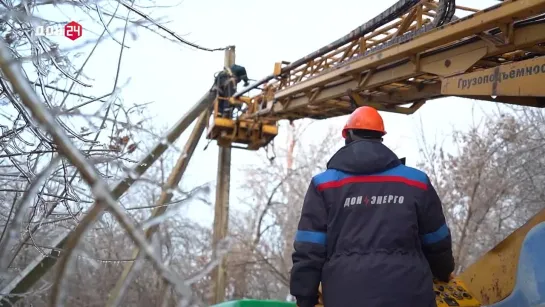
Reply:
x=221, y=210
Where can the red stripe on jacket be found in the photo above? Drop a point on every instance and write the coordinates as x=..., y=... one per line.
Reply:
x=370, y=179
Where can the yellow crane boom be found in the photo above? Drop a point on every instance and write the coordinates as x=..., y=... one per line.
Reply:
x=397, y=78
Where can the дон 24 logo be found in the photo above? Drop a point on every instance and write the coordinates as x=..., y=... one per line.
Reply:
x=71, y=30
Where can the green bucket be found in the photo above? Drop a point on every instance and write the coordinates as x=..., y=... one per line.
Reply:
x=255, y=303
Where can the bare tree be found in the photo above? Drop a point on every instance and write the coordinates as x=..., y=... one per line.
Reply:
x=61, y=144
x=491, y=185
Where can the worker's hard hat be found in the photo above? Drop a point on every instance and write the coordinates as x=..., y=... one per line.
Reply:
x=364, y=118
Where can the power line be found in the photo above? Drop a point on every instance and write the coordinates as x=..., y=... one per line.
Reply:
x=178, y=37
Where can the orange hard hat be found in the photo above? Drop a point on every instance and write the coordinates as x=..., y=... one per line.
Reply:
x=364, y=118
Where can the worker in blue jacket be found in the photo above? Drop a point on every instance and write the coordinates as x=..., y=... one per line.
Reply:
x=372, y=230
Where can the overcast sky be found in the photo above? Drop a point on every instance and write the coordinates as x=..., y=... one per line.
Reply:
x=174, y=76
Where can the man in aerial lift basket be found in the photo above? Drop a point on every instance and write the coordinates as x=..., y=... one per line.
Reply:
x=226, y=83
x=372, y=230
